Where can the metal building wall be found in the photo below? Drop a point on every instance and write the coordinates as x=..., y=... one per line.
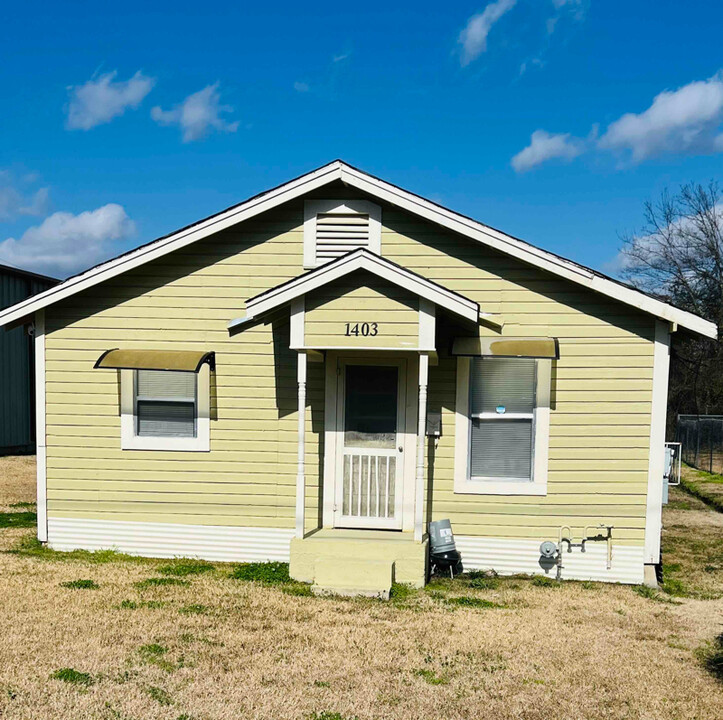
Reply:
x=17, y=392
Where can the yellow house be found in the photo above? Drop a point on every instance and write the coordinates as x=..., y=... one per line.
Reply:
x=315, y=374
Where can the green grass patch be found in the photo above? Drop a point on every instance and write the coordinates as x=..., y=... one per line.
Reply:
x=679, y=505
x=194, y=610
x=484, y=582
x=401, y=592
x=30, y=546
x=159, y=582
x=138, y=604
x=160, y=695
x=430, y=677
x=474, y=602
x=153, y=650
x=297, y=590
x=24, y=505
x=80, y=585
x=267, y=573
x=712, y=657
x=74, y=677
x=544, y=581
x=18, y=519
x=671, y=584
x=652, y=594
x=182, y=568
x=697, y=488
x=326, y=715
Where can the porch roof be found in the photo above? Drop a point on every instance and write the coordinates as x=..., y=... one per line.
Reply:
x=360, y=259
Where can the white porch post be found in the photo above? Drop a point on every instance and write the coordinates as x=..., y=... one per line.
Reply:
x=421, y=432
x=300, y=484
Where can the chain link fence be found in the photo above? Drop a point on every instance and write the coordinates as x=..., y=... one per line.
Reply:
x=701, y=437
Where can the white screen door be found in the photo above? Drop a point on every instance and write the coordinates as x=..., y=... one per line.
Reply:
x=369, y=458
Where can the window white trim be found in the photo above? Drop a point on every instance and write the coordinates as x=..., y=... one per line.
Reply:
x=541, y=424
x=312, y=208
x=131, y=441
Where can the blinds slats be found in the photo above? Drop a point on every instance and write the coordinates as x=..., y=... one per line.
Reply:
x=166, y=419
x=166, y=385
x=501, y=449
x=165, y=403
x=507, y=383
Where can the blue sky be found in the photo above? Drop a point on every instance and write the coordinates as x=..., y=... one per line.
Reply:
x=122, y=125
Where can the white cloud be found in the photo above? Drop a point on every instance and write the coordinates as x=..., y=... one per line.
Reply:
x=339, y=58
x=686, y=120
x=99, y=101
x=546, y=146
x=301, y=87
x=474, y=36
x=571, y=8
x=16, y=199
x=197, y=114
x=65, y=243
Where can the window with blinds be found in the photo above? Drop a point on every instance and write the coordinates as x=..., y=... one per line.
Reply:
x=338, y=234
x=502, y=418
x=165, y=404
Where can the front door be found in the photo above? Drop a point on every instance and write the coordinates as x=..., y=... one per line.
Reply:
x=370, y=412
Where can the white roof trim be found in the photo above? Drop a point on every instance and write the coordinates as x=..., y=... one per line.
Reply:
x=360, y=259
x=338, y=170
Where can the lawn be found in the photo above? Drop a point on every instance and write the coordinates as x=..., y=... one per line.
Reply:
x=105, y=636
x=707, y=486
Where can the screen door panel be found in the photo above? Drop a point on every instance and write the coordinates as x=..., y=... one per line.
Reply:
x=370, y=478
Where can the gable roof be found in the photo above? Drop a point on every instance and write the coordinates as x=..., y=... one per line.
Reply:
x=360, y=259
x=384, y=191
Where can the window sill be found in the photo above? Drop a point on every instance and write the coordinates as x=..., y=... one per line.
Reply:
x=490, y=487
x=168, y=444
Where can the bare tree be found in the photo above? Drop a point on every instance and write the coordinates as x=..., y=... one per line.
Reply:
x=678, y=257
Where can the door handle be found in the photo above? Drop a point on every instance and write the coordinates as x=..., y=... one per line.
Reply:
x=400, y=448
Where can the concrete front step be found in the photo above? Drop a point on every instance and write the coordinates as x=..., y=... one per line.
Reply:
x=358, y=562
x=372, y=578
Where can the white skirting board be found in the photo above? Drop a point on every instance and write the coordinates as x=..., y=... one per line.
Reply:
x=508, y=556
x=167, y=540
x=246, y=544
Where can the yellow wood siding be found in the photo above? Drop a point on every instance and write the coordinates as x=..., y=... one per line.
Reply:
x=366, y=304
x=601, y=391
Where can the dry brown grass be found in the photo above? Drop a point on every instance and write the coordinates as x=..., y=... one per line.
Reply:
x=577, y=651
x=17, y=481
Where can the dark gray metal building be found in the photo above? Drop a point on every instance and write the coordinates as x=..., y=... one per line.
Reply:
x=17, y=376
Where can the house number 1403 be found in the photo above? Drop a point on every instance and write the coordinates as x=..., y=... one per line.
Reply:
x=364, y=329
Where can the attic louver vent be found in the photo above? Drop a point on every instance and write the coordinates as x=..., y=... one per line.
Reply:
x=333, y=228
x=340, y=234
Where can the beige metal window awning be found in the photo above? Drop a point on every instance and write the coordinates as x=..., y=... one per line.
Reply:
x=522, y=347
x=178, y=360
